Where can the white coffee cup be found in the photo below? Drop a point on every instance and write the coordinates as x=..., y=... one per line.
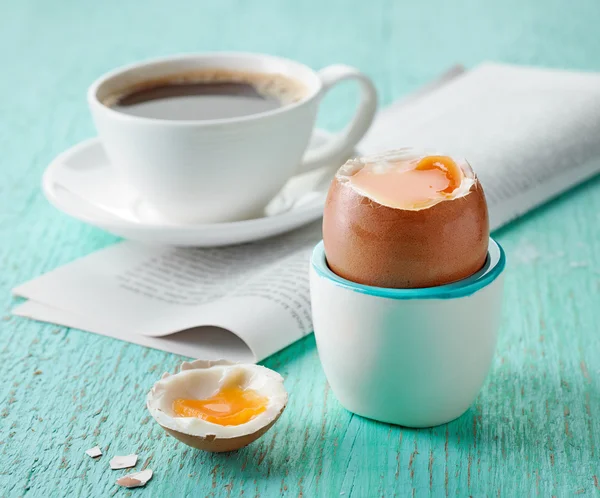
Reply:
x=218, y=170
x=412, y=357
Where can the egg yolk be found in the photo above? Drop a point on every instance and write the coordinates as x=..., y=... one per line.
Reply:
x=232, y=405
x=409, y=183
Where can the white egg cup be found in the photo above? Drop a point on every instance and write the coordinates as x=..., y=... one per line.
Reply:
x=412, y=357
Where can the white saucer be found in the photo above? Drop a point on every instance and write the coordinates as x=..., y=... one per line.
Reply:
x=81, y=183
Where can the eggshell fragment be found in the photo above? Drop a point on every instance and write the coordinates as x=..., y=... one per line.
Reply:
x=135, y=479
x=94, y=452
x=204, y=435
x=377, y=245
x=123, y=462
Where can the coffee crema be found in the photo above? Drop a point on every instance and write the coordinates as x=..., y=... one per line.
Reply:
x=206, y=95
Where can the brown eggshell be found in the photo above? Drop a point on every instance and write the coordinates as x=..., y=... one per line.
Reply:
x=381, y=246
x=220, y=445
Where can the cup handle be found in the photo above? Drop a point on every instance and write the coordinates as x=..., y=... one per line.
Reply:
x=341, y=144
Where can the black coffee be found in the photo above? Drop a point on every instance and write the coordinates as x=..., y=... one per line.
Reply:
x=206, y=96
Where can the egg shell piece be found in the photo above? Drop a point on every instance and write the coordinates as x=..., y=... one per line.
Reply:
x=94, y=452
x=200, y=380
x=123, y=461
x=136, y=479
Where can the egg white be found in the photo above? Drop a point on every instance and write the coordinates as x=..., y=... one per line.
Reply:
x=384, y=161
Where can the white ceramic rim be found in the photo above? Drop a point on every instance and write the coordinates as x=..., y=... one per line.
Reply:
x=312, y=81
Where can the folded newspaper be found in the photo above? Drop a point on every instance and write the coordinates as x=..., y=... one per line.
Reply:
x=529, y=133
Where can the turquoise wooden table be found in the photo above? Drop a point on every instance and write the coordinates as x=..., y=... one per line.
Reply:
x=534, y=429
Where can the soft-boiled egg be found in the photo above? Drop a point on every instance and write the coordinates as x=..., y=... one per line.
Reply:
x=405, y=219
x=218, y=406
